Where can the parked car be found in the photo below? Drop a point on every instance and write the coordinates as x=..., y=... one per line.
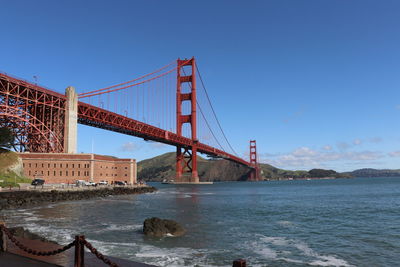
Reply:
x=119, y=183
x=80, y=182
x=103, y=182
x=37, y=181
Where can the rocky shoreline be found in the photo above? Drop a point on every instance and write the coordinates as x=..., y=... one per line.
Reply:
x=25, y=233
x=24, y=199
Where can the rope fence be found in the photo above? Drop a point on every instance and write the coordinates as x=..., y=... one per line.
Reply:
x=79, y=243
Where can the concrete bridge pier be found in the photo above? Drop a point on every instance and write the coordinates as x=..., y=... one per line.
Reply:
x=71, y=121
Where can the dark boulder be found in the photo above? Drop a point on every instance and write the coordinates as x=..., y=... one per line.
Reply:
x=157, y=227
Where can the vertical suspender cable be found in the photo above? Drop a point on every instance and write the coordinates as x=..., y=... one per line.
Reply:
x=212, y=108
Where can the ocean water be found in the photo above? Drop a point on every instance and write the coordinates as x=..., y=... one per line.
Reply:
x=342, y=222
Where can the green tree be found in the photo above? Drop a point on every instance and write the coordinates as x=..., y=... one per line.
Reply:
x=6, y=138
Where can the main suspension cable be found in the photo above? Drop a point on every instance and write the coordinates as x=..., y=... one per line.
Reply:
x=131, y=85
x=136, y=79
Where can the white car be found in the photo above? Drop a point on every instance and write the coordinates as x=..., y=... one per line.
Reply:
x=80, y=182
x=103, y=183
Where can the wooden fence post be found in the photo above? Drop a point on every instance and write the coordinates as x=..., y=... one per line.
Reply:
x=3, y=239
x=239, y=263
x=79, y=251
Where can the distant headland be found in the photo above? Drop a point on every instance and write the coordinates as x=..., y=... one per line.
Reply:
x=163, y=167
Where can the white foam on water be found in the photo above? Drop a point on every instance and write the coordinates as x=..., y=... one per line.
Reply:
x=268, y=253
x=31, y=219
x=291, y=260
x=122, y=250
x=278, y=241
x=118, y=227
x=50, y=232
x=278, y=249
x=285, y=223
x=201, y=194
x=329, y=261
x=304, y=248
x=321, y=260
x=23, y=214
x=110, y=247
x=19, y=217
x=59, y=219
x=173, y=257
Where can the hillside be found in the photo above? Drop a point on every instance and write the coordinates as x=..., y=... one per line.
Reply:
x=367, y=172
x=163, y=167
x=11, y=169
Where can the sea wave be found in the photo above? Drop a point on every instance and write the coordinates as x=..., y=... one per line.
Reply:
x=293, y=251
x=287, y=224
x=174, y=257
x=119, y=227
x=50, y=232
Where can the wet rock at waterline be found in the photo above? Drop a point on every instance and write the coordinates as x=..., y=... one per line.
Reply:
x=157, y=227
x=25, y=233
x=34, y=198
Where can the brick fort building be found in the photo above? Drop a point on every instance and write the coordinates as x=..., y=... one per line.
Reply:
x=67, y=167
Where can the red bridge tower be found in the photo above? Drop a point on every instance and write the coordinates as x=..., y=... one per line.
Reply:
x=186, y=160
x=254, y=173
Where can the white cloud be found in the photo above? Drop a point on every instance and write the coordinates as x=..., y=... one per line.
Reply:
x=327, y=147
x=304, y=152
x=364, y=155
x=154, y=144
x=129, y=147
x=158, y=145
x=394, y=154
x=343, y=145
x=375, y=140
x=305, y=157
x=262, y=155
x=357, y=142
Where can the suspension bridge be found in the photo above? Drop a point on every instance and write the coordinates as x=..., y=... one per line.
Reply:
x=165, y=106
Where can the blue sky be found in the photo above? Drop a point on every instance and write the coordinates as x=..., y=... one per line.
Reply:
x=316, y=83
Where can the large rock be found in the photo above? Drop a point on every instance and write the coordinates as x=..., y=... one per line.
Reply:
x=25, y=233
x=160, y=227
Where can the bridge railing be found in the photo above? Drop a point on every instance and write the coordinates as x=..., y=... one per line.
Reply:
x=31, y=84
